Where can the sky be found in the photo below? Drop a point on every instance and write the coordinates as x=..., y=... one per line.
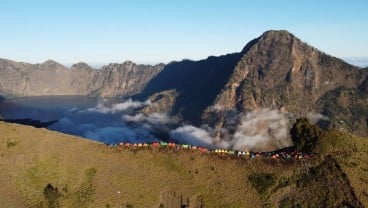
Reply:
x=152, y=31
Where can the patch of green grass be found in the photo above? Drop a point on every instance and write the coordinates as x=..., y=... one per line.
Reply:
x=287, y=203
x=169, y=163
x=283, y=182
x=262, y=181
x=32, y=182
x=83, y=196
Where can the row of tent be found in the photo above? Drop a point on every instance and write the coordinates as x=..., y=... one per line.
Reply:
x=162, y=144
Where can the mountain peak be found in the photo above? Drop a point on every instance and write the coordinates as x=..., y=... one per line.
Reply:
x=273, y=36
x=81, y=65
x=269, y=38
x=274, y=33
x=51, y=63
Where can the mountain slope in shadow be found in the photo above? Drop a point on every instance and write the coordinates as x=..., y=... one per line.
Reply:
x=196, y=82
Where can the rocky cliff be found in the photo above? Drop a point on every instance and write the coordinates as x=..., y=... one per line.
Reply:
x=52, y=78
x=279, y=71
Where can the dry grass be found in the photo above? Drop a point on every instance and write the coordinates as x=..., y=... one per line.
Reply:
x=352, y=154
x=89, y=174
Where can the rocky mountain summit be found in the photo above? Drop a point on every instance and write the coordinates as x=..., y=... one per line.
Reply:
x=274, y=71
x=281, y=72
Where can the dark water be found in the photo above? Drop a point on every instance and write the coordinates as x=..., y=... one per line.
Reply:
x=78, y=115
x=44, y=108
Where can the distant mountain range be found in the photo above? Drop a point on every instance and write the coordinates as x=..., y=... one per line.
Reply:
x=52, y=78
x=276, y=71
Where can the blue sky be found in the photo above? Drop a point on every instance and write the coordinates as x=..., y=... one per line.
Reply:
x=98, y=32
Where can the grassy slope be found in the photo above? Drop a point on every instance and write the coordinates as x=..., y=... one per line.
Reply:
x=351, y=152
x=89, y=174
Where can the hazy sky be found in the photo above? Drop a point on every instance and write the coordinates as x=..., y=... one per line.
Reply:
x=150, y=31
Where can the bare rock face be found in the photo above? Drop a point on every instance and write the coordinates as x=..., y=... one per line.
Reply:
x=162, y=102
x=22, y=79
x=281, y=71
x=52, y=78
x=125, y=79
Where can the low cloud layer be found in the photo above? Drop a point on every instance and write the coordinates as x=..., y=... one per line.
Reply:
x=257, y=131
x=261, y=130
x=111, y=123
x=127, y=106
x=192, y=135
x=264, y=129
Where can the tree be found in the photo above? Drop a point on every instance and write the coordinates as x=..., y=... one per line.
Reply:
x=305, y=135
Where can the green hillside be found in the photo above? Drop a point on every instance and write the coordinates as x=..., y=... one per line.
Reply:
x=41, y=168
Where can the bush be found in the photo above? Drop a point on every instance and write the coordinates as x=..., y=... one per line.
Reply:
x=287, y=203
x=305, y=135
x=11, y=143
x=51, y=195
x=262, y=181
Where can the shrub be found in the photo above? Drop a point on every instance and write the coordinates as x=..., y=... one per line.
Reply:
x=11, y=143
x=262, y=181
x=287, y=203
x=51, y=195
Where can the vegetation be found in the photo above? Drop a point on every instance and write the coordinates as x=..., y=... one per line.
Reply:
x=10, y=143
x=101, y=176
x=86, y=190
x=305, y=135
x=262, y=181
x=52, y=196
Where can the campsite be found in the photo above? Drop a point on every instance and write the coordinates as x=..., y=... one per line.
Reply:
x=289, y=153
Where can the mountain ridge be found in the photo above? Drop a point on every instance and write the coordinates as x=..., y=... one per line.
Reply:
x=53, y=78
x=275, y=71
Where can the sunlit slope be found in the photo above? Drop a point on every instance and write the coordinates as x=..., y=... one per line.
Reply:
x=89, y=174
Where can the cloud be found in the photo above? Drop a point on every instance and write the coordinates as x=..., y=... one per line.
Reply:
x=127, y=106
x=192, y=135
x=260, y=130
x=118, y=134
x=158, y=124
x=314, y=117
x=154, y=118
